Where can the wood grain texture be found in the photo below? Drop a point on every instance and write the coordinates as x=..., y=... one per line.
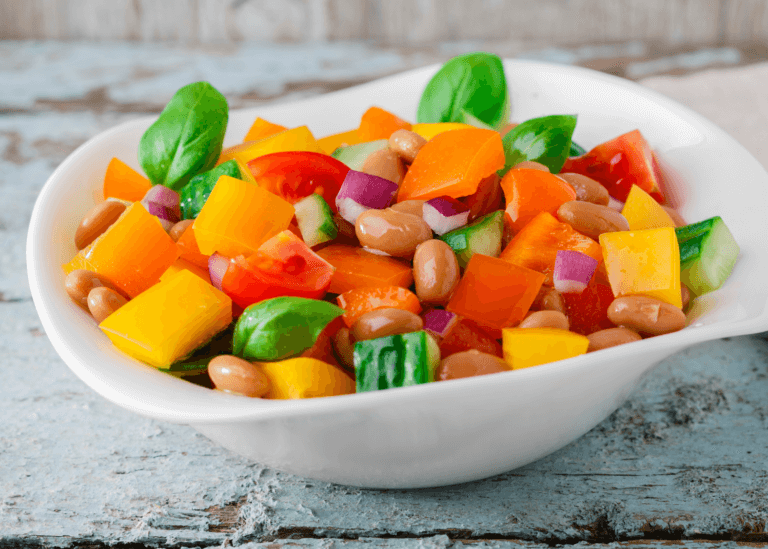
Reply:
x=682, y=463
x=391, y=22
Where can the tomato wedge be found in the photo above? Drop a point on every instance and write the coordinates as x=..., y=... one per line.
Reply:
x=282, y=266
x=295, y=175
x=620, y=163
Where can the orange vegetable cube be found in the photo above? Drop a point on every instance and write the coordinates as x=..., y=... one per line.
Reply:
x=377, y=123
x=123, y=182
x=132, y=253
x=644, y=262
x=296, y=139
x=238, y=217
x=526, y=347
x=495, y=293
x=453, y=164
x=428, y=130
x=262, y=129
x=643, y=212
x=344, y=139
x=189, y=251
x=169, y=320
x=359, y=301
x=529, y=192
x=356, y=268
x=537, y=244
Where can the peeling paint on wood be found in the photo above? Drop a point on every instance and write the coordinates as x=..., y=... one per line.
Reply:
x=682, y=463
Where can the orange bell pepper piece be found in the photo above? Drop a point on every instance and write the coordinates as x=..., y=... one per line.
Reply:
x=132, y=253
x=377, y=123
x=356, y=268
x=495, y=293
x=453, y=164
x=359, y=301
x=123, y=182
x=188, y=250
x=343, y=139
x=529, y=192
x=262, y=129
x=537, y=244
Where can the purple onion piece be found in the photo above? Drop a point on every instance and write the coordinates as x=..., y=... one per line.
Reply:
x=573, y=271
x=361, y=191
x=217, y=266
x=439, y=322
x=445, y=214
x=163, y=202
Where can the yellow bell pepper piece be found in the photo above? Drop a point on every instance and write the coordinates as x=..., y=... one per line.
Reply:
x=643, y=212
x=180, y=265
x=297, y=139
x=238, y=217
x=343, y=139
x=526, y=347
x=428, y=130
x=305, y=378
x=644, y=262
x=170, y=320
x=261, y=129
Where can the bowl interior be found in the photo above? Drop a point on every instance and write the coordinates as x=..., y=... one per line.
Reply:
x=707, y=173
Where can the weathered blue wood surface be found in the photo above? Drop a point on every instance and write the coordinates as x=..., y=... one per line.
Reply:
x=686, y=458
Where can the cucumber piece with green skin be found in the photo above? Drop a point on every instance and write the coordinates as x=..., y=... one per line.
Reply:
x=708, y=253
x=481, y=237
x=395, y=361
x=315, y=220
x=355, y=155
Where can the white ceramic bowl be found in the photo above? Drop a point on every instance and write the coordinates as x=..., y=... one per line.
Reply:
x=441, y=433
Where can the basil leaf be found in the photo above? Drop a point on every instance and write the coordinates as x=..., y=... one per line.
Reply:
x=468, y=118
x=473, y=84
x=546, y=140
x=187, y=137
x=576, y=150
x=196, y=192
x=281, y=327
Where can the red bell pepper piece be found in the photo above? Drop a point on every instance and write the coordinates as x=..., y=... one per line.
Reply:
x=620, y=163
x=295, y=175
x=282, y=266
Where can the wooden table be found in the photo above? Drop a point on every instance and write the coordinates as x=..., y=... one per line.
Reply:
x=685, y=460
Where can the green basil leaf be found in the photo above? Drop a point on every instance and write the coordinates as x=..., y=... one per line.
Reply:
x=577, y=150
x=187, y=137
x=546, y=140
x=468, y=118
x=281, y=327
x=196, y=192
x=473, y=84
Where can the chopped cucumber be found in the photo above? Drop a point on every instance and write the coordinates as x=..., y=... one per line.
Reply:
x=395, y=361
x=708, y=253
x=481, y=237
x=354, y=155
x=315, y=220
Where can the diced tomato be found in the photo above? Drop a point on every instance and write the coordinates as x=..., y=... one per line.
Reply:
x=620, y=163
x=295, y=175
x=487, y=198
x=282, y=266
x=588, y=311
x=466, y=335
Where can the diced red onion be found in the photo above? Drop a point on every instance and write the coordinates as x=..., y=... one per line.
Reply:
x=361, y=191
x=445, y=214
x=573, y=271
x=217, y=266
x=439, y=322
x=163, y=203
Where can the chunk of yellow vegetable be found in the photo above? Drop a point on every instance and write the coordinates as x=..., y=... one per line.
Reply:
x=643, y=212
x=304, y=377
x=296, y=139
x=644, y=262
x=170, y=320
x=526, y=347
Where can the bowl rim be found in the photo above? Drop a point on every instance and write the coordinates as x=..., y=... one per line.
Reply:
x=231, y=408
